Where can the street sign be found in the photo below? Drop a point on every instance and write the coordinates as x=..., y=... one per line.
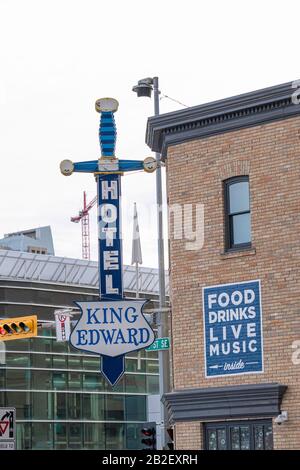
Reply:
x=7, y=428
x=159, y=344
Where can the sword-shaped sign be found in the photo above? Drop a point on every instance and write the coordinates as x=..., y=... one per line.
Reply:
x=113, y=326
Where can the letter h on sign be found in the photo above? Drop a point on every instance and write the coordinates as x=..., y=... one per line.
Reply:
x=110, y=243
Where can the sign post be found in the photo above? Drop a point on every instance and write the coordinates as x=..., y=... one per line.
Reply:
x=113, y=326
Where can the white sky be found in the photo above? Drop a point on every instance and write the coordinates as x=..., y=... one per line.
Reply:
x=58, y=56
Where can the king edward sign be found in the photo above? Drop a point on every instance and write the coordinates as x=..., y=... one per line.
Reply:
x=233, y=329
x=113, y=326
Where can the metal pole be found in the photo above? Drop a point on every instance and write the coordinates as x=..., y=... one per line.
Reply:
x=164, y=381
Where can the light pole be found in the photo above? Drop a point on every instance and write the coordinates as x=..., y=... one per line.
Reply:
x=145, y=88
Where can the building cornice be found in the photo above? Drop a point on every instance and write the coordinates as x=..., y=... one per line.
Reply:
x=219, y=403
x=237, y=112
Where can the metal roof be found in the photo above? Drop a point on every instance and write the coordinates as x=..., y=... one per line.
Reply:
x=25, y=266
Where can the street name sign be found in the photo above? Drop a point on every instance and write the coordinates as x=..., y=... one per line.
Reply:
x=159, y=344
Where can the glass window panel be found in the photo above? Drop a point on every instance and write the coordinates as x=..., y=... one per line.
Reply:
x=41, y=360
x=239, y=197
x=258, y=437
x=245, y=437
x=120, y=387
x=2, y=398
x=23, y=436
x=90, y=363
x=135, y=408
x=60, y=406
x=114, y=434
x=222, y=444
x=152, y=367
x=2, y=378
x=74, y=405
x=133, y=436
x=135, y=383
x=235, y=438
x=59, y=346
x=268, y=437
x=20, y=345
x=41, y=380
x=75, y=437
x=152, y=384
x=212, y=439
x=42, y=405
x=241, y=227
x=59, y=362
x=136, y=365
x=42, y=435
x=75, y=362
x=75, y=381
x=17, y=360
x=20, y=401
x=93, y=406
x=18, y=378
x=60, y=436
x=42, y=345
x=59, y=380
x=94, y=436
x=115, y=407
x=93, y=382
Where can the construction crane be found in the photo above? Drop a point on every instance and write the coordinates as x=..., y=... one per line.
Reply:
x=83, y=216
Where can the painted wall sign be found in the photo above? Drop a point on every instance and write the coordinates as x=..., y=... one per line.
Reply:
x=233, y=337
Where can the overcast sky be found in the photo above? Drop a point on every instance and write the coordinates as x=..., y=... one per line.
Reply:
x=58, y=56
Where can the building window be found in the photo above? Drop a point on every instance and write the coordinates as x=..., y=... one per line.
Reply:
x=237, y=213
x=242, y=435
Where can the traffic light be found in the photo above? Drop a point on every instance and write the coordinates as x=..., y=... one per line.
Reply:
x=17, y=328
x=149, y=436
x=170, y=443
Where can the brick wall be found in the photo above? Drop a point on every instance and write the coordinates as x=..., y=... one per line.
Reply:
x=269, y=154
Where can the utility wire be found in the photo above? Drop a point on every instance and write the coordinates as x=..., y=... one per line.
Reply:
x=175, y=101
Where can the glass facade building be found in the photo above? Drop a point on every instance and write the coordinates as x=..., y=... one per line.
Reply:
x=62, y=401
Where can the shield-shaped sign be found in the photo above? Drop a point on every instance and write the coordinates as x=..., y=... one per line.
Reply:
x=112, y=329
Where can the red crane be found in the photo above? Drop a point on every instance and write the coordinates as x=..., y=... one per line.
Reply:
x=85, y=225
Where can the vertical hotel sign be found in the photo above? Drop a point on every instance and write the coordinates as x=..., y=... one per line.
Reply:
x=233, y=335
x=112, y=326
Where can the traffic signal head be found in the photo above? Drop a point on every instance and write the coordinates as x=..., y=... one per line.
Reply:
x=170, y=443
x=149, y=436
x=17, y=328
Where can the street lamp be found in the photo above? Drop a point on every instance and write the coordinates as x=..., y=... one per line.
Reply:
x=145, y=87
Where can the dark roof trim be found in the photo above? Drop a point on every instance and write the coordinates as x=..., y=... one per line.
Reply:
x=239, y=401
x=221, y=116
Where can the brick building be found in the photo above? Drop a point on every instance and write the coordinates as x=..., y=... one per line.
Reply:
x=235, y=300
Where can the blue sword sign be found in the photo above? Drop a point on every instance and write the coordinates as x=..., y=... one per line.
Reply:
x=112, y=326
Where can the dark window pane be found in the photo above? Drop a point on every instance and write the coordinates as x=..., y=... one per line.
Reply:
x=258, y=437
x=60, y=436
x=74, y=405
x=75, y=381
x=152, y=384
x=241, y=227
x=75, y=438
x=133, y=436
x=114, y=434
x=245, y=437
x=59, y=380
x=94, y=437
x=20, y=345
x=93, y=382
x=42, y=436
x=222, y=445
x=115, y=407
x=268, y=437
x=18, y=378
x=136, y=383
x=60, y=406
x=41, y=380
x=212, y=440
x=17, y=360
x=239, y=197
x=135, y=408
x=23, y=436
x=41, y=360
x=20, y=401
x=235, y=438
x=42, y=405
x=75, y=362
x=59, y=362
x=91, y=363
x=93, y=407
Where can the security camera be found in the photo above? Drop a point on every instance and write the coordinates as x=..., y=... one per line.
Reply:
x=281, y=418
